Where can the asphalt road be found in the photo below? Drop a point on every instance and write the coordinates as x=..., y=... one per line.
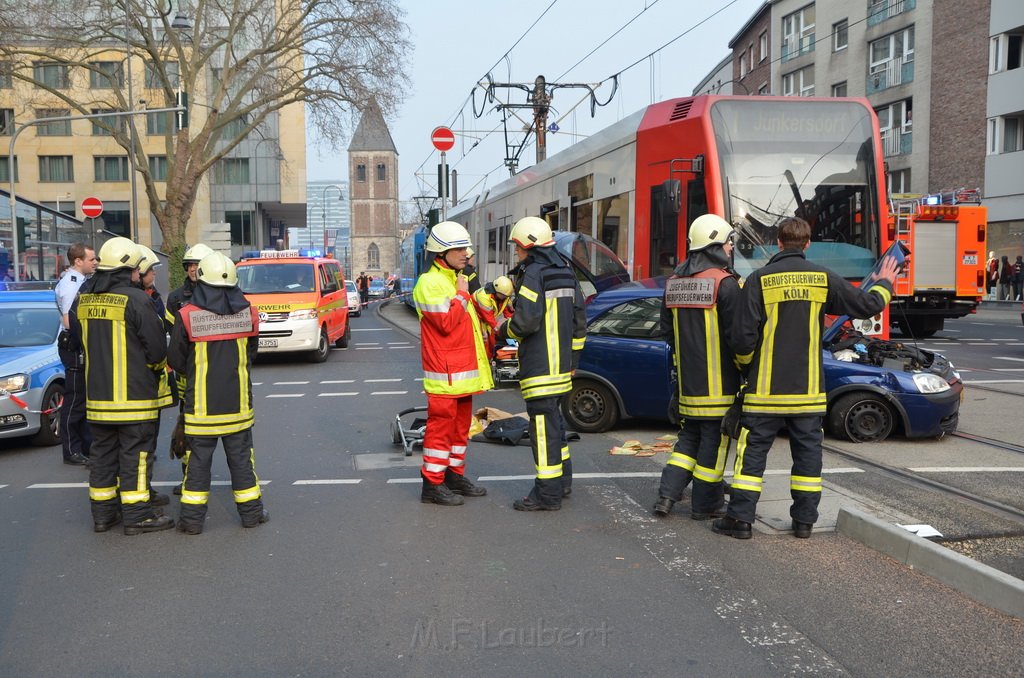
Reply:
x=354, y=576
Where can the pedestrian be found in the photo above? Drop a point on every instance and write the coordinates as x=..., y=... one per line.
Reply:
x=75, y=436
x=991, y=273
x=1005, y=279
x=700, y=303
x=1018, y=272
x=493, y=304
x=470, y=272
x=550, y=325
x=363, y=283
x=455, y=366
x=213, y=344
x=777, y=336
x=125, y=353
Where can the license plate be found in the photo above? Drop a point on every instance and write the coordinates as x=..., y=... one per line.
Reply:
x=268, y=343
x=11, y=419
x=970, y=260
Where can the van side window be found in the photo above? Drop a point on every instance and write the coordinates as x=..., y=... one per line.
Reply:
x=328, y=283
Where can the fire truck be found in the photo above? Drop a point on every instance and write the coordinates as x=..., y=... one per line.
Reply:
x=945, y=277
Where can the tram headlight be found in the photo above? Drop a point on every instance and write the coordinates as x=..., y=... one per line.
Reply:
x=930, y=383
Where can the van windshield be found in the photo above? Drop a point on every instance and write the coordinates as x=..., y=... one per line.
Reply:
x=284, y=278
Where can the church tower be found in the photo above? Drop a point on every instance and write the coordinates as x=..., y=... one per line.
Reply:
x=373, y=193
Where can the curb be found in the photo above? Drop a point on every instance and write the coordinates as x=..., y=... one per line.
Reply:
x=981, y=582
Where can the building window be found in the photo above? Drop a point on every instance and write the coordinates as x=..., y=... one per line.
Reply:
x=992, y=143
x=59, y=128
x=56, y=168
x=158, y=167
x=899, y=182
x=382, y=172
x=158, y=124
x=233, y=171
x=1013, y=134
x=6, y=77
x=241, y=227
x=1014, y=51
x=6, y=121
x=839, y=89
x=750, y=56
x=153, y=79
x=743, y=66
x=5, y=172
x=117, y=220
x=894, y=122
x=799, y=83
x=373, y=256
x=798, y=33
x=763, y=89
x=887, y=58
x=361, y=173
x=106, y=75
x=110, y=167
x=763, y=45
x=840, y=35
x=234, y=128
x=54, y=76
x=102, y=127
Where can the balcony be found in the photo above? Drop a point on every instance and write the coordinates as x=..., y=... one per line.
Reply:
x=791, y=48
x=890, y=74
x=887, y=9
x=897, y=142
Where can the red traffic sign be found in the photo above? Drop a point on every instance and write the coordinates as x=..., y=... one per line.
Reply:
x=443, y=139
x=92, y=207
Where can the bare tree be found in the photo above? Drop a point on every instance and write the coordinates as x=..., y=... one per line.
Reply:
x=238, y=62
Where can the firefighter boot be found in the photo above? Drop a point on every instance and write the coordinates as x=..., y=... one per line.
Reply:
x=154, y=524
x=731, y=527
x=532, y=502
x=439, y=494
x=663, y=506
x=460, y=484
x=262, y=517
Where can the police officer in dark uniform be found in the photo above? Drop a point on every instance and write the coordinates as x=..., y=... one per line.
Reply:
x=125, y=354
x=777, y=335
x=550, y=325
x=213, y=344
x=74, y=429
x=701, y=299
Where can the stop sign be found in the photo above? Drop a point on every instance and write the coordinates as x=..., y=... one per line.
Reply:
x=92, y=207
x=443, y=139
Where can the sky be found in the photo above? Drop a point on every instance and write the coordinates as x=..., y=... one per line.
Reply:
x=457, y=42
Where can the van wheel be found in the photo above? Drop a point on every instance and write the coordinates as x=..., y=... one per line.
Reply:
x=861, y=418
x=590, y=407
x=49, y=424
x=323, y=348
x=342, y=341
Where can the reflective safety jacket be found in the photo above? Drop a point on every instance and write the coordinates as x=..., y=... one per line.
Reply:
x=175, y=300
x=125, y=350
x=697, y=318
x=777, y=332
x=215, y=353
x=455, y=361
x=549, y=323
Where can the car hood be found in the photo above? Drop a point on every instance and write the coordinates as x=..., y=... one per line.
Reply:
x=26, y=359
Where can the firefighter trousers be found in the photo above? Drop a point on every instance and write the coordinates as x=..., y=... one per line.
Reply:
x=446, y=437
x=699, y=455
x=120, y=455
x=550, y=450
x=756, y=438
x=75, y=436
x=195, y=493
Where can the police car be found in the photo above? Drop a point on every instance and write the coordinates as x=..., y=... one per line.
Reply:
x=301, y=299
x=31, y=374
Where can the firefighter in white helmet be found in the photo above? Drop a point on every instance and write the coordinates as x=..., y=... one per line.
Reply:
x=494, y=306
x=455, y=365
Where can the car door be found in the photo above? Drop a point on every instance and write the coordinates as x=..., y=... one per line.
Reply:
x=330, y=301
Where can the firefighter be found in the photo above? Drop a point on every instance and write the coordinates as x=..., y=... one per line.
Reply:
x=777, y=335
x=125, y=354
x=493, y=304
x=175, y=300
x=74, y=429
x=455, y=366
x=550, y=326
x=213, y=344
x=697, y=316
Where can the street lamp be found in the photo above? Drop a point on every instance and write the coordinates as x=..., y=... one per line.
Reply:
x=323, y=207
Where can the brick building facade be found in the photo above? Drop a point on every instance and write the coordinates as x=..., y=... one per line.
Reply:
x=373, y=192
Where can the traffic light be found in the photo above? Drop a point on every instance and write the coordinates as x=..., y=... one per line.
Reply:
x=181, y=117
x=433, y=217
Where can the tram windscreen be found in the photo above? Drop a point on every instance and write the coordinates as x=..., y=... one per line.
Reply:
x=810, y=159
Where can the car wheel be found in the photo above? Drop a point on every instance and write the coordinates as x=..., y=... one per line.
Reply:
x=590, y=407
x=49, y=430
x=861, y=418
x=342, y=341
x=323, y=347
x=358, y=312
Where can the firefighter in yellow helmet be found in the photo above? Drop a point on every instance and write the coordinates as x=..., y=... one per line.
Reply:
x=550, y=326
x=125, y=354
x=493, y=306
x=700, y=303
x=455, y=365
x=213, y=344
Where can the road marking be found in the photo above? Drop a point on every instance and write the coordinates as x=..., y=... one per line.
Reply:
x=56, y=486
x=290, y=383
x=994, y=381
x=371, y=329
x=1004, y=340
x=985, y=324
x=331, y=395
x=338, y=381
x=368, y=343
x=398, y=343
x=1003, y=357
x=949, y=330
x=2, y=487
x=329, y=481
x=156, y=483
x=416, y=347
x=408, y=481
x=389, y=393
x=967, y=469
x=983, y=343
x=374, y=381
x=1008, y=369
x=369, y=348
x=284, y=395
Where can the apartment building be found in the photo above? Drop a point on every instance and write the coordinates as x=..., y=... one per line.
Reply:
x=327, y=220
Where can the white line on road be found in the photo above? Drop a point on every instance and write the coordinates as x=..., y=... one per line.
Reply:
x=2, y=487
x=389, y=393
x=338, y=381
x=368, y=343
x=374, y=381
x=967, y=469
x=1003, y=357
x=329, y=481
x=156, y=483
x=371, y=329
x=409, y=481
x=994, y=339
x=290, y=383
x=56, y=486
x=985, y=324
x=1008, y=369
x=983, y=343
x=398, y=343
x=416, y=347
x=994, y=381
x=285, y=395
x=330, y=395
x=369, y=348
x=257, y=383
